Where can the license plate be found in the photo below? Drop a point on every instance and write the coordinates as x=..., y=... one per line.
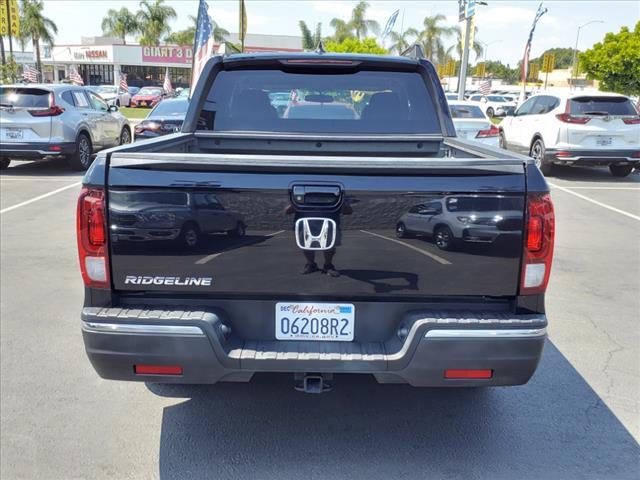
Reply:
x=604, y=141
x=331, y=322
x=13, y=134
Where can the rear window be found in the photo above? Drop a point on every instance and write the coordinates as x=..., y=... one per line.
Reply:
x=24, y=97
x=483, y=204
x=601, y=106
x=364, y=102
x=466, y=111
x=170, y=108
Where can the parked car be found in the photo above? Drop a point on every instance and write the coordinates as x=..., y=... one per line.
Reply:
x=322, y=184
x=455, y=220
x=184, y=92
x=494, y=105
x=179, y=216
x=166, y=117
x=148, y=97
x=472, y=124
x=113, y=95
x=576, y=129
x=44, y=121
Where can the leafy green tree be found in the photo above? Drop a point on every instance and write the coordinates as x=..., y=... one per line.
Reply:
x=119, y=24
x=153, y=20
x=360, y=24
x=495, y=69
x=457, y=47
x=432, y=37
x=186, y=37
x=353, y=45
x=401, y=41
x=37, y=26
x=615, y=61
x=9, y=71
x=310, y=40
x=564, y=57
x=341, y=30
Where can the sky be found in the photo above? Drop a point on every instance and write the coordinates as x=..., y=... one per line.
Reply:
x=503, y=25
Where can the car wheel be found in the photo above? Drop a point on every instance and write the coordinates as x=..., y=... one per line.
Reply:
x=81, y=159
x=490, y=112
x=538, y=152
x=401, y=230
x=620, y=170
x=4, y=163
x=125, y=136
x=239, y=231
x=443, y=238
x=190, y=236
x=502, y=140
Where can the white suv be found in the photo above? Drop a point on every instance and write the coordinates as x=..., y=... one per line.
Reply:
x=576, y=129
x=494, y=105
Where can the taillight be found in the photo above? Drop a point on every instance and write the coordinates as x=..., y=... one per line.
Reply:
x=538, y=244
x=493, y=131
x=92, y=238
x=53, y=110
x=632, y=121
x=145, y=125
x=568, y=118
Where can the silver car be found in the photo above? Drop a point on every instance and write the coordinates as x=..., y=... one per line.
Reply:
x=40, y=121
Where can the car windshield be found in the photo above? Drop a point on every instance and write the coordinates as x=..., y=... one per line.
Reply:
x=601, y=106
x=150, y=91
x=184, y=92
x=364, y=102
x=105, y=89
x=466, y=111
x=24, y=97
x=170, y=108
x=496, y=98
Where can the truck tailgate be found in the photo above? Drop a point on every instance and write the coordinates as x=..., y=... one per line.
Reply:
x=234, y=225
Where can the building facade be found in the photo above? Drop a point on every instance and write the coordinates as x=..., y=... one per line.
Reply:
x=100, y=60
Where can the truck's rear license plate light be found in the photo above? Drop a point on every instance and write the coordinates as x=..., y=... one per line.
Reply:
x=157, y=369
x=482, y=374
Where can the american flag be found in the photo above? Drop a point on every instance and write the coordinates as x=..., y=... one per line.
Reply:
x=203, y=47
x=30, y=74
x=485, y=87
x=527, y=49
x=75, y=77
x=123, y=82
x=390, y=23
x=168, y=88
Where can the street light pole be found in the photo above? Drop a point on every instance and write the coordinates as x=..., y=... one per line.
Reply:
x=462, y=78
x=574, y=73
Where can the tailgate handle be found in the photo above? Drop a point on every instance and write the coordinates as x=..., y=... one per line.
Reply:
x=316, y=195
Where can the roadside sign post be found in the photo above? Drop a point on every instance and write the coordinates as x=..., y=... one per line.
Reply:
x=462, y=80
x=548, y=64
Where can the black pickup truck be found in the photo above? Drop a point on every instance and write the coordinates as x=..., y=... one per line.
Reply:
x=346, y=230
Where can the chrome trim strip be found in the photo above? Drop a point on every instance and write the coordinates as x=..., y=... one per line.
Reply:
x=477, y=333
x=599, y=157
x=187, y=330
x=8, y=151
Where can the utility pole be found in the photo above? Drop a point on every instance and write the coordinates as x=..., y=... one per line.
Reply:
x=574, y=66
x=9, y=19
x=462, y=78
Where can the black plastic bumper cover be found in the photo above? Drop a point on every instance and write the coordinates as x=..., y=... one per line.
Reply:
x=117, y=339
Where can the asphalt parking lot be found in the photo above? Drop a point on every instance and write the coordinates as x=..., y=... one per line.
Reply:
x=578, y=418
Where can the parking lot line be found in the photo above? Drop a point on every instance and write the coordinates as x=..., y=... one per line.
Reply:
x=208, y=258
x=433, y=256
x=40, y=197
x=595, y=202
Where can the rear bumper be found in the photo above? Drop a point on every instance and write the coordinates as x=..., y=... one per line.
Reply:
x=563, y=156
x=207, y=351
x=34, y=151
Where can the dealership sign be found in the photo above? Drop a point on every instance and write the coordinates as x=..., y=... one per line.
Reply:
x=167, y=54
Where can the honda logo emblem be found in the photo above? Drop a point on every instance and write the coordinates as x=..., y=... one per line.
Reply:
x=316, y=233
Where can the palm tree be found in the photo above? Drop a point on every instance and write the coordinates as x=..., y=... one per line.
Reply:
x=153, y=19
x=432, y=35
x=400, y=41
x=119, y=24
x=310, y=40
x=342, y=30
x=219, y=33
x=37, y=26
x=360, y=24
x=477, y=48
